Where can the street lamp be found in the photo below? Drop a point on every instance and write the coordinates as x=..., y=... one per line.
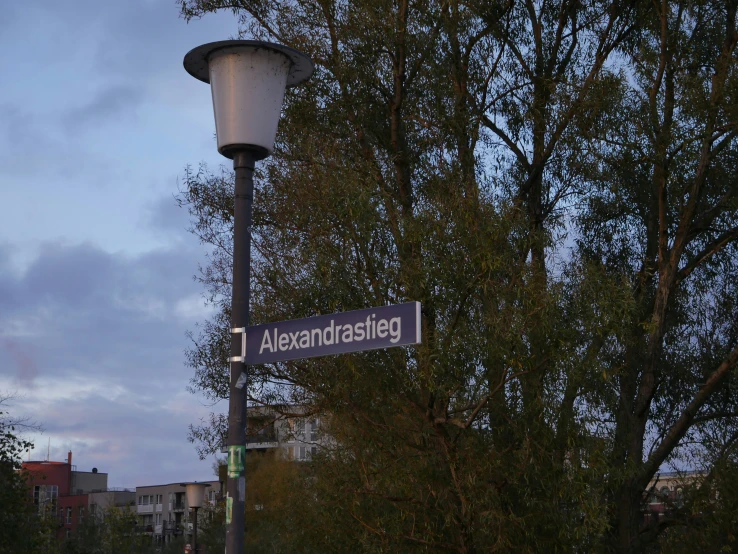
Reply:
x=195, y=497
x=248, y=79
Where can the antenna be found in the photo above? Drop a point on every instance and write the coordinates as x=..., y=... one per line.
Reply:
x=48, y=450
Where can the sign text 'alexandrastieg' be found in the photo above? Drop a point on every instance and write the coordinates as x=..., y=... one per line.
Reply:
x=339, y=333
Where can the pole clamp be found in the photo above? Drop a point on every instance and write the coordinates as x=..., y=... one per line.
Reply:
x=242, y=357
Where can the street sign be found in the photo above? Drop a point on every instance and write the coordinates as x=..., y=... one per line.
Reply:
x=323, y=335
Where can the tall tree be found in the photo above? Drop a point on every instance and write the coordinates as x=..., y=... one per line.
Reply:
x=556, y=183
x=664, y=215
x=23, y=530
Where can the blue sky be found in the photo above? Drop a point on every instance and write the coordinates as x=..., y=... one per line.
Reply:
x=97, y=121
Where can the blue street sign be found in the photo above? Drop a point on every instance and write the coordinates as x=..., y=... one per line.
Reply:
x=324, y=335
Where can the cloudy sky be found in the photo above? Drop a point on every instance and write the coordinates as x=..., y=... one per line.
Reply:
x=97, y=121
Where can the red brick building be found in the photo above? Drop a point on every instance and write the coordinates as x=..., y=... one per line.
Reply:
x=60, y=491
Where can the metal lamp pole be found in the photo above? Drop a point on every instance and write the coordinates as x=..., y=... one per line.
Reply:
x=243, y=165
x=248, y=80
x=194, y=531
x=195, y=497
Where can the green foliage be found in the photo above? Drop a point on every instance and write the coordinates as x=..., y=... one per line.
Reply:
x=276, y=487
x=112, y=531
x=22, y=530
x=556, y=183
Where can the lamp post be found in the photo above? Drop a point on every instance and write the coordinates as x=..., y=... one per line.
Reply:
x=248, y=79
x=195, y=497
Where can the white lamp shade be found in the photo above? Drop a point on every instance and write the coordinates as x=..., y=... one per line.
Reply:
x=195, y=494
x=247, y=78
x=248, y=87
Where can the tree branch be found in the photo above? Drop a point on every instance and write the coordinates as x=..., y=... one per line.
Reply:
x=686, y=420
x=708, y=251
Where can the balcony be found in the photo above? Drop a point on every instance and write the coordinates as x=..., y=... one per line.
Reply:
x=262, y=437
x=171, y=528
x=157, y=508
x=260, y=445
x=177, y=506
x=145, y=508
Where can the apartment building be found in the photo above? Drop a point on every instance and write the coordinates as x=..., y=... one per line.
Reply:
x=163, y=512
x=100, y=501
x=666, y=492
x=297, y=436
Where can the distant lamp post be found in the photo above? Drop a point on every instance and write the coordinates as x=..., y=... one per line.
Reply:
x=248, y=80
x=195, y=498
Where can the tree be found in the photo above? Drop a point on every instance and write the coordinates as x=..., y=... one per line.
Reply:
x=23, y=531
x=670, y=171
x=556, y=183
x=277, y=488
x=276, y=516
x=110, y=531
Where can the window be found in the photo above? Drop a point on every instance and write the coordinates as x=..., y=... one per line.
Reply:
x=302, y=452
x=81, y=514
x=69, y=515
x=211, y=497
x=300, y=428
x=314, y=430
x=68, y=532
x=158, y=519
x=45, y=496
x=159, y=498
x=313, y=452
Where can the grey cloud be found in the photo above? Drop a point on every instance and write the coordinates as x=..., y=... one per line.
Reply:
x=165, y=216
x=69, y=275
x=78, y=314
x=21, y=131
x=133, y=443
x=27, y=139
x=82, y=311
x=95, y=342
x=136, y=36
x=21, y=359
x=113, y=101
x=8, y=299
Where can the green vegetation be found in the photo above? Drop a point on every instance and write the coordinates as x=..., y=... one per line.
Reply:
x=22, y=530
x=111, y=531
x=557, y=183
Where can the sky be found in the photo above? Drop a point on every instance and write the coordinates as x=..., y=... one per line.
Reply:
x=98, y=120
